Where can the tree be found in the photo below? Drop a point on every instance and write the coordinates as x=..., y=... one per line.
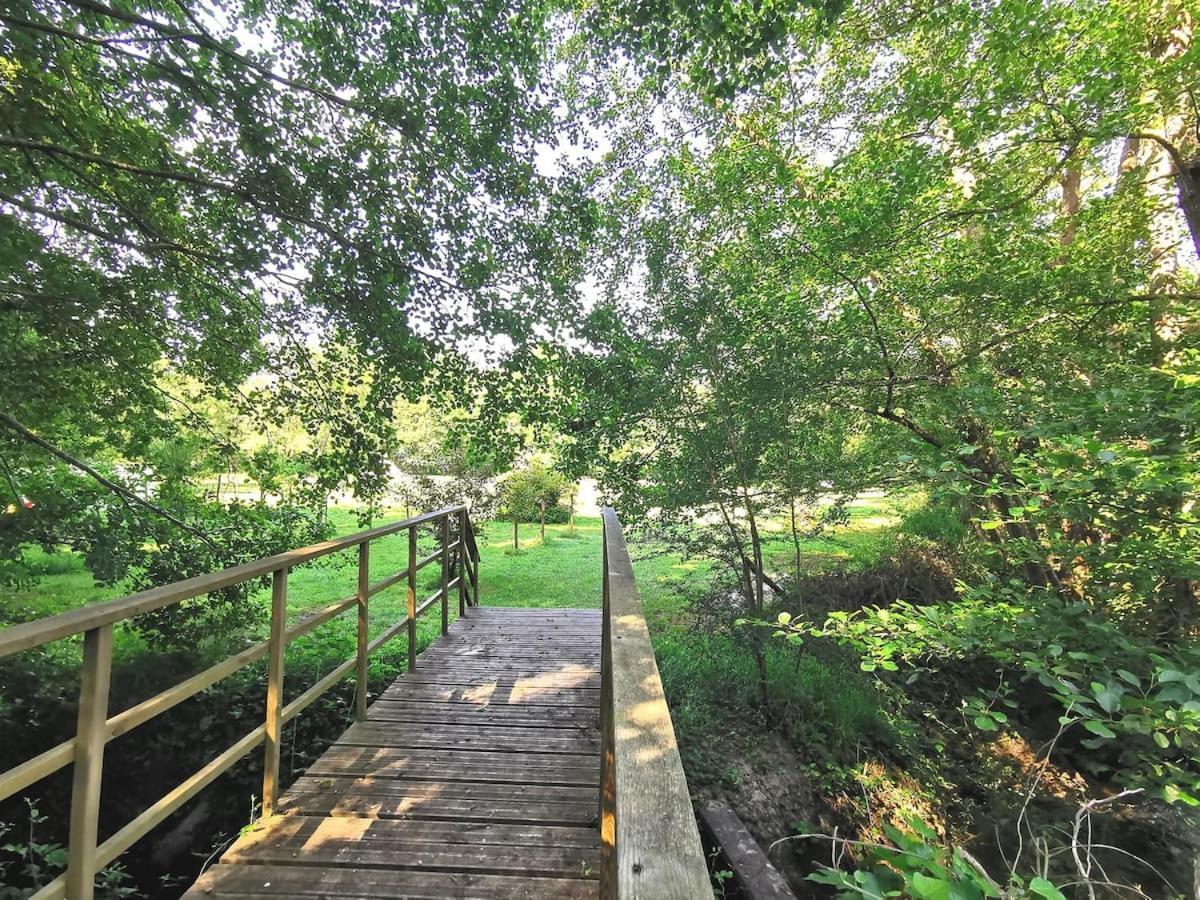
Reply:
x=526, y=493
x=952, y=245
x=918, y=275
x=304, y=211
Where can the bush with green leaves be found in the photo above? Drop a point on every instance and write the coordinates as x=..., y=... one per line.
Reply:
x=527, y=493
x=1138, y=702
x=918, y=864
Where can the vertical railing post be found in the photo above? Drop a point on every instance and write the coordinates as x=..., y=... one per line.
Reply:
x=464, y=564
x=412, y=598
x=474, y=565
x=364, y=583
x=607, y=785
x=274, y=715
x=445, y=573
x=89, y=762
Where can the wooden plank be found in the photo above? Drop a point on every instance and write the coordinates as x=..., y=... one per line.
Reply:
x=462, y=564
x=468, y=720
x=236, y=882
x=548, y=717
x=756, y=878
x=299, y=831
x=510, y=682
x=360, y=674
x=412, y=599
x=451, y=737
x=533, y=860
x=430, y=790
x=423, y=764
x=445, y=574
x=530, y=667
x=489, y=694
x=648, y=831
x=453, y=732
x=522, y=657
x=327, y=803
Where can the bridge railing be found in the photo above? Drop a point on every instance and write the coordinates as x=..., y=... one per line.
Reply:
x=87, y=855
x=650, y=846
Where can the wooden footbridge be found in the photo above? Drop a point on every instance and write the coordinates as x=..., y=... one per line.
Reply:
x=527, y=753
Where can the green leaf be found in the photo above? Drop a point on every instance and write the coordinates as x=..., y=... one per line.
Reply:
x=985, y=723
x=1109, y=699
x=1162, y=740
x=930, y=888
x=1044, y=888
x=1129, y=677
x=1098, y=728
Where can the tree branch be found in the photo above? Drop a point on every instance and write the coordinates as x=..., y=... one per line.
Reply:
x=120, y=490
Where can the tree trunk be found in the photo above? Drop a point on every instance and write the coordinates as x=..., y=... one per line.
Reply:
x=795, y=535
x=542, y=520
x=516, y=545
x=1070, y=181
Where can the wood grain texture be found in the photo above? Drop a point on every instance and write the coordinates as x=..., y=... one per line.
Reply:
x=650, y=844
x=274, y=711
x=472, y=776
x=94, y=683
x=755, y=877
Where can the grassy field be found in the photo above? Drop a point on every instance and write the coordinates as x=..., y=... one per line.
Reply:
x=565, y=571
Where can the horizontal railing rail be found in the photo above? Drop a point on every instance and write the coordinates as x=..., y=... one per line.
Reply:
x=649, y=843
x=95, y=727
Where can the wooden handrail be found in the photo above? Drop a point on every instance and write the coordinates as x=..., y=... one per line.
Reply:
x=86, y=854
x=649, y=843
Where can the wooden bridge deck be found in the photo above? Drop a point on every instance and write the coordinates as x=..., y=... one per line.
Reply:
x=476, y=775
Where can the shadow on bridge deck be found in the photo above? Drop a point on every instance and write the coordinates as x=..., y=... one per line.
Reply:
x=476, y=774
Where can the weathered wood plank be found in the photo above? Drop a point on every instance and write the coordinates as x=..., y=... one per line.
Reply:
x=756, y=878
x=489, y=694
x=328, y=803
x=568, y=717
x=396, y=788
x=371, y=734
x=530, y=861
x=419, y=764
x=235, y=882
x=651, y=846
x=300, y=831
